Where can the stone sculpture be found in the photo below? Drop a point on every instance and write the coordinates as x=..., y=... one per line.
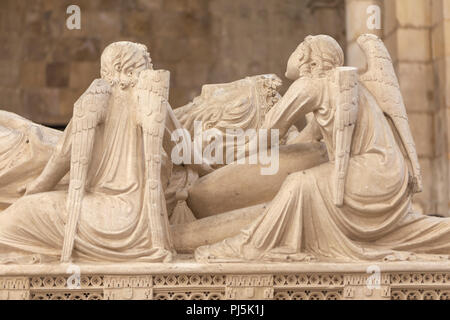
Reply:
x=25, y=148
x=357, y=206
x=113, y=148
x=107, y=189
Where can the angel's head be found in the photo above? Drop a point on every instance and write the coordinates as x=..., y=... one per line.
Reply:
x=122, y=62
x=315, y=56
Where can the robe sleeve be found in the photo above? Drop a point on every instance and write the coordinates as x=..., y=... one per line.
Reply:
x=301, y=98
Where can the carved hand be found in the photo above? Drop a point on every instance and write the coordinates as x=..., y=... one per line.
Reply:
x=35, y=186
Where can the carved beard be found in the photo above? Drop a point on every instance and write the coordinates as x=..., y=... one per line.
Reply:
x=121, y=97
x=125, y=84
x=132, y=80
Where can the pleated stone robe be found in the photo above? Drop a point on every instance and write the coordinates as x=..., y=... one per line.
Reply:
x=303, y=223
x=114, y=224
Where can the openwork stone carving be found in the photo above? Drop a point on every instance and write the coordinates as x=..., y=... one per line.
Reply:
x=14, y=288
x=332, y=285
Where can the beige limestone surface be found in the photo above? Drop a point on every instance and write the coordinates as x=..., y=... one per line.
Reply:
x=354, y=204
x=342, y=194
x=187, y=280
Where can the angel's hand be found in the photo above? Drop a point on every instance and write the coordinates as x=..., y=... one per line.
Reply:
x=34, y=187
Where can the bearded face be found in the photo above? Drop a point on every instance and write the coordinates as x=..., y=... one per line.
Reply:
x=122, y=62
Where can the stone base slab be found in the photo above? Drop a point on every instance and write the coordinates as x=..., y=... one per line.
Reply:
x=189, y=280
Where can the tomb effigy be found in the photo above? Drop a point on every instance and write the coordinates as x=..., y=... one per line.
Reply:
x=143, y=207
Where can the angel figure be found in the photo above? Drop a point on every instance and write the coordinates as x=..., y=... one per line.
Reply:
x=356, y=206
x=114, y=208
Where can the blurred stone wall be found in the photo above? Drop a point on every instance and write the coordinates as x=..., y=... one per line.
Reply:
x=44, y=66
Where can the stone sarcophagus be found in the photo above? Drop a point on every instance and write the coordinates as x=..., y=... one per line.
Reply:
x=241, y=194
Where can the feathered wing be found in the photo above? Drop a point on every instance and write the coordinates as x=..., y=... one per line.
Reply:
x=381, y=81
x=346, y=116
x=153, y=94
x=89, y=111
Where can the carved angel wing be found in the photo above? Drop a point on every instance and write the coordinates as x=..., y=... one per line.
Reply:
x=381, y=81
x=88, y=112
x=346, y=116
x=152, y=95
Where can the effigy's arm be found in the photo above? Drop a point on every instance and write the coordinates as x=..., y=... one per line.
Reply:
x=152, y=100
x=89, y=111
